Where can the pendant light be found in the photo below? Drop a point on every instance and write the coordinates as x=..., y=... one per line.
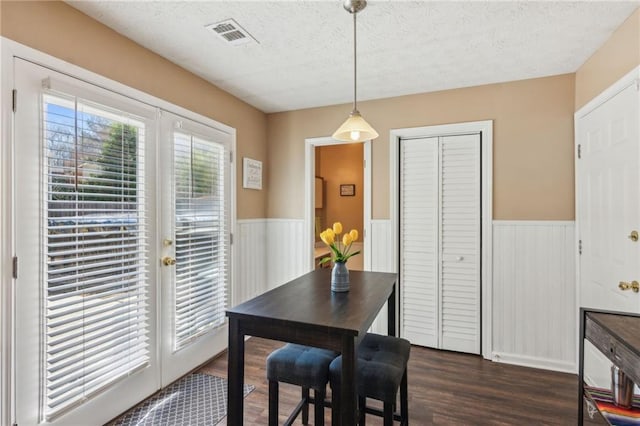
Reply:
x=355, y=129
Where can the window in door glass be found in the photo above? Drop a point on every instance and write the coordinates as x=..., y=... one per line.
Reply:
x=95, y=249
x=200, y=236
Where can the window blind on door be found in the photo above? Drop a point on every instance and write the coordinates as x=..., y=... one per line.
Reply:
x=201, y=236
x=95, y=246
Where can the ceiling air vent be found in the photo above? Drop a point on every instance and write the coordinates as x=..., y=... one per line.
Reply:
x=231, y=32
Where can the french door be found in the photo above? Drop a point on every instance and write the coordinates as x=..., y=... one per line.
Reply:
x=195, y=243
x=121, y=216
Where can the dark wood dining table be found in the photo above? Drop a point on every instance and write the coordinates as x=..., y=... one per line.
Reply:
x=307, y=312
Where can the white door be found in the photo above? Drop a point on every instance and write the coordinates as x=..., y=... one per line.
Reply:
x=440, y=241
x=460, y=243
x=419, y=243
x=195, y=164
x=609, y=202
x=85, y=316
x=608, y=211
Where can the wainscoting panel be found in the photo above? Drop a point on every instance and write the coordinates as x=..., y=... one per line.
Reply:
x=287, y=255
x=381, y=246
x=251, y=262
x=534, y=294
x=381, y=260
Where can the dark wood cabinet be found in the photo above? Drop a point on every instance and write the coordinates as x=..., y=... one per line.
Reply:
x=617, y=336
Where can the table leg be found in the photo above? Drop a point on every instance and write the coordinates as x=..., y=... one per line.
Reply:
x=348, y=397
x=391, y=312
x=235, y=374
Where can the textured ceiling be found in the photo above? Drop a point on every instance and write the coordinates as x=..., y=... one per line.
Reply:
x=304, y=57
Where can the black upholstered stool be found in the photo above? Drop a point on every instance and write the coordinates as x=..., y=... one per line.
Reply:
x=303, y=366
x=381, y=370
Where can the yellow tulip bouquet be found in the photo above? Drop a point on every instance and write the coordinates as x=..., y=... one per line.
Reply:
x=339, y=248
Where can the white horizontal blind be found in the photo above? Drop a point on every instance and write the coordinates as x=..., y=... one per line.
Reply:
x=95, y=245
x=460, y=242
x=419, y=214
x=201, y=169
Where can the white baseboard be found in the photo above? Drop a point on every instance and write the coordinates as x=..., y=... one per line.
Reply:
x=535, y=362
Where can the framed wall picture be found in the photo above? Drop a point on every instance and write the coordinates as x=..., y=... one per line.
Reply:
x=347, y=190
x=251, y=173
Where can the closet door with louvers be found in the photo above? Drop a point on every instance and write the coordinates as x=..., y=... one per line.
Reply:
x=196, y=248
x=440, y=241
x=460, y=243
x=419, y=224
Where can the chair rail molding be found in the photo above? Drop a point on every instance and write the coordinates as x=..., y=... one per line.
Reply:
x=534, y=294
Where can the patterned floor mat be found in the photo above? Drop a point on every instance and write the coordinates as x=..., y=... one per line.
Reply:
x=197, y=399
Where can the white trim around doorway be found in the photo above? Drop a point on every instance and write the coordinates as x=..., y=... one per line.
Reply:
x=309, y=198
x=485, y=128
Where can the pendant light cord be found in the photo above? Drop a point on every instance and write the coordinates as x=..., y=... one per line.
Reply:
x=355, y=66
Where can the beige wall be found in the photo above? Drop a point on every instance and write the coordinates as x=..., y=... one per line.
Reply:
x=342, y=164
x=533, y=132
x=533, y=144
x=619, y=55
x=62, y=31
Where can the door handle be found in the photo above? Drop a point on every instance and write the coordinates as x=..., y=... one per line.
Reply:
x=633, y=236
x=633, y=285
x=168, y=261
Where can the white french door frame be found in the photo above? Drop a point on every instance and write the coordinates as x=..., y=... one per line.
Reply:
x=309, y=196
x=6, y=236
x=485, y=128
x=9, y=50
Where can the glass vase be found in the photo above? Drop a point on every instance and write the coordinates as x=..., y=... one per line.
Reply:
x=340, y=277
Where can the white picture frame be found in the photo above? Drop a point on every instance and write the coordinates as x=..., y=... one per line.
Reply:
x=251, y=173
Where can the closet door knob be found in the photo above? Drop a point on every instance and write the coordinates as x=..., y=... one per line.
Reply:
x=460, y=258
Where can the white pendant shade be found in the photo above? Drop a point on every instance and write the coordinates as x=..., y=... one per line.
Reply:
x=355, y=129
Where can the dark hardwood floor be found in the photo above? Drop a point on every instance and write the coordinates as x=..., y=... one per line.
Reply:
x=445, y=388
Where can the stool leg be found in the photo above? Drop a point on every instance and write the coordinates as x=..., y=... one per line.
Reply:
x=362, y=405
x=335, y=405
x=404, y=402
x=273, y=403
x=319, y=406
x=388, y=414
x=305, y=406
